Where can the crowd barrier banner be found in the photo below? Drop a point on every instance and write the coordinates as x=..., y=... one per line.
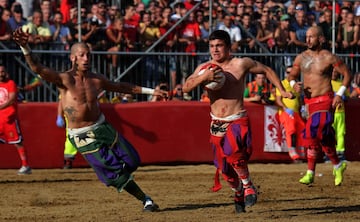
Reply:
x=169, y=133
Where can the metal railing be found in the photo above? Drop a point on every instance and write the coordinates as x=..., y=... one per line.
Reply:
x=151, y=68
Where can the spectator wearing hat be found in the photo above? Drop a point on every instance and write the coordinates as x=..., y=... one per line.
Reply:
x=17, y=19
x=283, y=40
x=282, y=33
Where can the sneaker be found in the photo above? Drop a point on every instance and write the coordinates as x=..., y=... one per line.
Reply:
x=338, y=173
x=250, y=195
x=307, y=179
x=150, y=206
x=24, y=170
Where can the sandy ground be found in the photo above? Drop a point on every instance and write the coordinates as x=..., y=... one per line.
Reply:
x=183, y=195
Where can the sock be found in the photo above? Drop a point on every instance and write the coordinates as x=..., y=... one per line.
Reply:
x=22, y=154
x=312, y=154
x=133, y=189
x=331, y=153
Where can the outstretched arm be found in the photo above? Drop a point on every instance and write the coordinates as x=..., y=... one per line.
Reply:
x=22, y=38
x=257, y=67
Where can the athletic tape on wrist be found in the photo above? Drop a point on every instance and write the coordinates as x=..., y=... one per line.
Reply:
x=25, y=49
x=341, y=91
x=148, y=91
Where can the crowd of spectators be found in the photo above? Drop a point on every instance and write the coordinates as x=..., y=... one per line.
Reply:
x=255, y=26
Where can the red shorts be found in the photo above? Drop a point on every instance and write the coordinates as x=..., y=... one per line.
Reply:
x=9, y=130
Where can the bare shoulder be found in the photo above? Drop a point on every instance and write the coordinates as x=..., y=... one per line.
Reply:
x=244, y=62
x=329, y=56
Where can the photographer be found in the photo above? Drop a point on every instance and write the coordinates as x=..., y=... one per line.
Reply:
x=162, y=86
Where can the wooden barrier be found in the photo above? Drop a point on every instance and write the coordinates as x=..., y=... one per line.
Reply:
x=162, y=132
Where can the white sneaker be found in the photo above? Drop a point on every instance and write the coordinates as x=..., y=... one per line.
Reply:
x=24, y=170
x=150, y=206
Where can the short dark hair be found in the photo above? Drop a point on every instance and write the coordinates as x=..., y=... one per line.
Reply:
x=222, y=35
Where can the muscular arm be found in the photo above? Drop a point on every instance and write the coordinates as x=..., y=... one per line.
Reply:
x=256, y=67
x=195, y=79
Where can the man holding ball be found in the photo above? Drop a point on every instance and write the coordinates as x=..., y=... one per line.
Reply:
x=230, y=131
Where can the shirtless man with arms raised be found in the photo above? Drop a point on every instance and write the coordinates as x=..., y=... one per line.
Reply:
x=316, y=66
x=230, y=123
x=87, y=129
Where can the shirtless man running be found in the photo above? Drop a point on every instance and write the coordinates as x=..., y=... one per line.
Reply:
x=112, y=157
x=316, y=66
x=230, y=131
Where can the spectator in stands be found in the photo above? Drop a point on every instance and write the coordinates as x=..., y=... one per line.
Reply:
x=113, y=13
x=265, y=32
x=326, y=26
x=101, y=16
x=61, y=35
x=259, y=7
x=4, y=4
x=17, y=19
x=298, y=30
x=9, y=124
x=343, y=13
x=178, y=6
x=163, y=85
x=259, y=91
x=102, y=21
x=168, y=45
x=116, y=41
x=348, y=35
x=219, y=16
x=283, y=40
x=240, y=10
x=203, y=44
x=5, y=30
x=39, y=31
x=232, y=9
x=45, y=8
x=248, y=34
x=282, y=33
x=177, y=94
x=131, y=27
x=189, y=36
x=149, y=33
x=233, y=30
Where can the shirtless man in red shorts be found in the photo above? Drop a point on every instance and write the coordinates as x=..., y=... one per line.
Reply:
x=230, y=131
x=316, y=66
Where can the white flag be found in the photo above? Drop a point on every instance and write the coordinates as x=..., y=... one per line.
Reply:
x=274, y=132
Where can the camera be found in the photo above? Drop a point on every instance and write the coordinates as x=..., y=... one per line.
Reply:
x=164, y=87
x=94, y=21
